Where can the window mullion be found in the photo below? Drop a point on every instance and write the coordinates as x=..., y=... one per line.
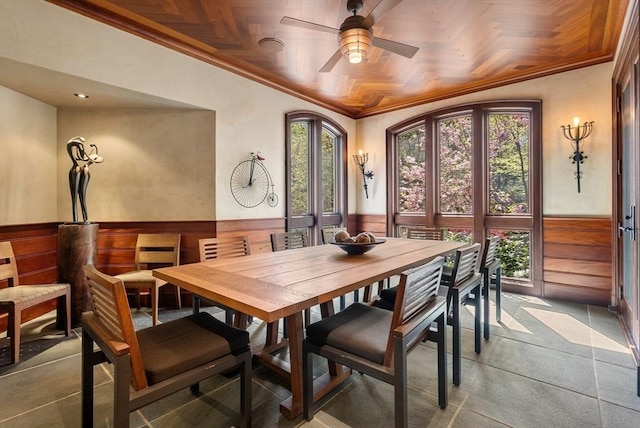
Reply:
x=479, y=173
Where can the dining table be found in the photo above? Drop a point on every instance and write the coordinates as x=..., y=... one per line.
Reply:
x=276, y=285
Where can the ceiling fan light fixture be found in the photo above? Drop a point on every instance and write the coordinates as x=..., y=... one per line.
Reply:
x=355, y=44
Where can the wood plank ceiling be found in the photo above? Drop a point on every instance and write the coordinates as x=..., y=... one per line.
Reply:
x=464, y=45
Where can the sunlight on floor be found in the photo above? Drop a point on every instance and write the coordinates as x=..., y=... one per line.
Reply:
x=575, y=331
x=506, y=319
x=537, y=301
x=511, y=323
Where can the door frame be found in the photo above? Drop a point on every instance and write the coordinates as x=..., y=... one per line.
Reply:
x=316, y=219
x=626, y=68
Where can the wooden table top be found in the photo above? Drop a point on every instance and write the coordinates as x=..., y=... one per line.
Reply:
x=274, y=285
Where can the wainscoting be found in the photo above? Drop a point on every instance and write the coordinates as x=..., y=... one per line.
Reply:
x=576, y=256
x=35, y=248
x=576, y=251
x=577, y=259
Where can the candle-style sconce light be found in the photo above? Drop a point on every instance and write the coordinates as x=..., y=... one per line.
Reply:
x=576, y=134
x=361, y=159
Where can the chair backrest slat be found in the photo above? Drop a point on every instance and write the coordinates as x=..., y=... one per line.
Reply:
x=464, y=267
x=465, y=263
x=155, y=250
x=435, y=234
x=490, y=253
x=289, y=240
x=221, y=248
x=8, y=267
x=417, y=288
x=111, y=308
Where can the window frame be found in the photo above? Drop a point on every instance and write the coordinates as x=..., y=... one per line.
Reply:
x=480, y=221
x=316, y=218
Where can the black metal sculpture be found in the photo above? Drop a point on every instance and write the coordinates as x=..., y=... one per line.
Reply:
x=79, y=174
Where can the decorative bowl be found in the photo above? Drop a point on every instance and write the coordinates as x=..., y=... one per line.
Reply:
x=355, y=248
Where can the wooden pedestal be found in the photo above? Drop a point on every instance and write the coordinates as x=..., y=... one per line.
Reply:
x=77, y=246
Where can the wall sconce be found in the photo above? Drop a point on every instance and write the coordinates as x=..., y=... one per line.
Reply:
x=577, y=134
x=361, y=159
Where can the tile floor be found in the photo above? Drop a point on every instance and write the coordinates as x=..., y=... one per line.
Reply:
x=547, y=364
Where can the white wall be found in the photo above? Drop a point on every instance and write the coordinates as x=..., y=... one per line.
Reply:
x=158, y=164
x=249, y=116
x=28, y=189
x=585, y=93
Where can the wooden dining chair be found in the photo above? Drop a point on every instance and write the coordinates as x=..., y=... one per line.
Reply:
x=288, y=240
x=425, y=233
x=376, y=342
x=432, y=233
x=491, y=271
x=463, y=282
x=153, y=250
x=15, y=298
x=156, y=361
x=281, y=241
x=221, y=248
x=328, y=234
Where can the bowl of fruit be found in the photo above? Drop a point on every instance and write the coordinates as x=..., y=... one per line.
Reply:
x=356, y=245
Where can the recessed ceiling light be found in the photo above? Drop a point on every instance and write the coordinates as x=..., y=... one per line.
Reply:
x=271, y=44
x=81, y=95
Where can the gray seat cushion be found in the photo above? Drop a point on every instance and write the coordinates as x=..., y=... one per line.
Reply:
x=388, y=295
x=180, y=345
x=388, y=298
x=360, y=329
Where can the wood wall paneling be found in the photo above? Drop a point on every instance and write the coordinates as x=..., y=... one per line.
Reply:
x=35, y=248
x=576, y=256
x=376, y=224
x=577, y=259
x=577, y=251
x=117, y=241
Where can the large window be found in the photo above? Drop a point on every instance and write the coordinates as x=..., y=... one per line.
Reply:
x=454, y=158
x=411, y=172
x=316, y=174
x=475, y=171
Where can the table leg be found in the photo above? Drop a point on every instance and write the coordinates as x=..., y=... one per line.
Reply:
x=292, y=406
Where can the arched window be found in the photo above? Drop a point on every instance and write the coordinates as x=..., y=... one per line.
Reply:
x=316, y=172
x=476, y=171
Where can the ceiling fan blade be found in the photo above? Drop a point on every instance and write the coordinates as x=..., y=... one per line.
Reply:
x=381, y=8
x=407, y=51
x=332, y=62
x=308, y=25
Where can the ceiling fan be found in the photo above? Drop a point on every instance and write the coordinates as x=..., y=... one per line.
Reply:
x=355, y=37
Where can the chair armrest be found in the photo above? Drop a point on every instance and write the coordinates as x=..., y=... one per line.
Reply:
x=468, y=284
x=103, y=336
x=429, y=313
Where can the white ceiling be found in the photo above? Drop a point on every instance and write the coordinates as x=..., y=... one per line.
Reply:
x=57, y=89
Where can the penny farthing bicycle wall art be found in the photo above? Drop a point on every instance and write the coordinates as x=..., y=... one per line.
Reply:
x=251, y=183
